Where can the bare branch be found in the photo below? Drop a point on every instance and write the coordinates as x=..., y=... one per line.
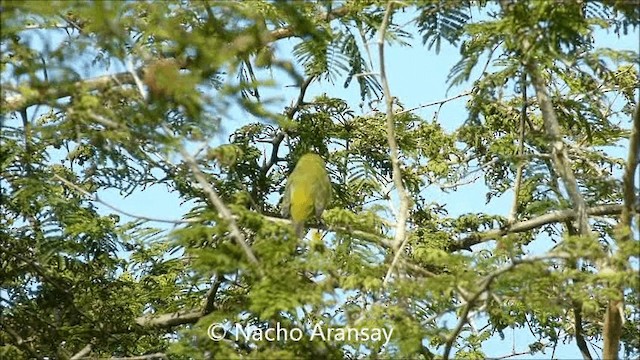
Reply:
x=461, y=182
x=82, y=353
x=215, y=200
x=439, y=102
x=142, y=357
x=290, y=113
x=303, y=90
x=628, y=179
x=401, y=219
x=484, y=236
x=514, y=354
x=94, y=197
x=559, y=153
x=209, y=303
x=523, y=117
x=579, y=333
x=614, y=315
x=170, y=319
x=522, y=226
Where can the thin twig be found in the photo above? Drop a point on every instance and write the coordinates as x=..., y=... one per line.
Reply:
x=439, y=102
x=290, y=113
x=484, y=286
x=94, y=197
x=518, y=183
x=450, y=185
x=511, y=355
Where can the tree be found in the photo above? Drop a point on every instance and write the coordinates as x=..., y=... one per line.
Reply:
x=128, y=96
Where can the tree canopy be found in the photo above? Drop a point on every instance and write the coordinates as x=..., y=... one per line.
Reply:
x=130, y=97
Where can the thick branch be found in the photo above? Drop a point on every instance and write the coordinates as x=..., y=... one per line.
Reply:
x=628, y=180
x=401, y=219
x=56, y=91
x=562, y=166
x=522, y=226
x=559, y=153
x=614, y=315
x=612, y=329
x=169, y=320
x=82, y=353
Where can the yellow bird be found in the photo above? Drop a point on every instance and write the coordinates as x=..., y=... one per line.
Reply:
x=308, y=190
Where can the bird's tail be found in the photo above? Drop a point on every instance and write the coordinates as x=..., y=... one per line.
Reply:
x=299, y=228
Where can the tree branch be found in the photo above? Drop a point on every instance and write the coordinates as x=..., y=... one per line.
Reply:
x=434, y=103
x=44, y=93
x=628, y=179
x=401, y=219
x=82, y=353
x=142, y=357
x=209, y=303
x=559, y=153
x=170, y=319
x=215, y=200
x=579, y=333
x=484, y=286
x=190, y=317
x=19, y=341
x=290, y=113
x=523, y=117
x=94, y=197
x=522, y=226
x=614, y=315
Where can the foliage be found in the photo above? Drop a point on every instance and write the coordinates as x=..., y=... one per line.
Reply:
x=79, y=274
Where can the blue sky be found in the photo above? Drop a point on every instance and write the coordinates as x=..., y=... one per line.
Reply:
x=417, y=76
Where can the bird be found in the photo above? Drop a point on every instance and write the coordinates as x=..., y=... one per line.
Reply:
x=307, y=192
